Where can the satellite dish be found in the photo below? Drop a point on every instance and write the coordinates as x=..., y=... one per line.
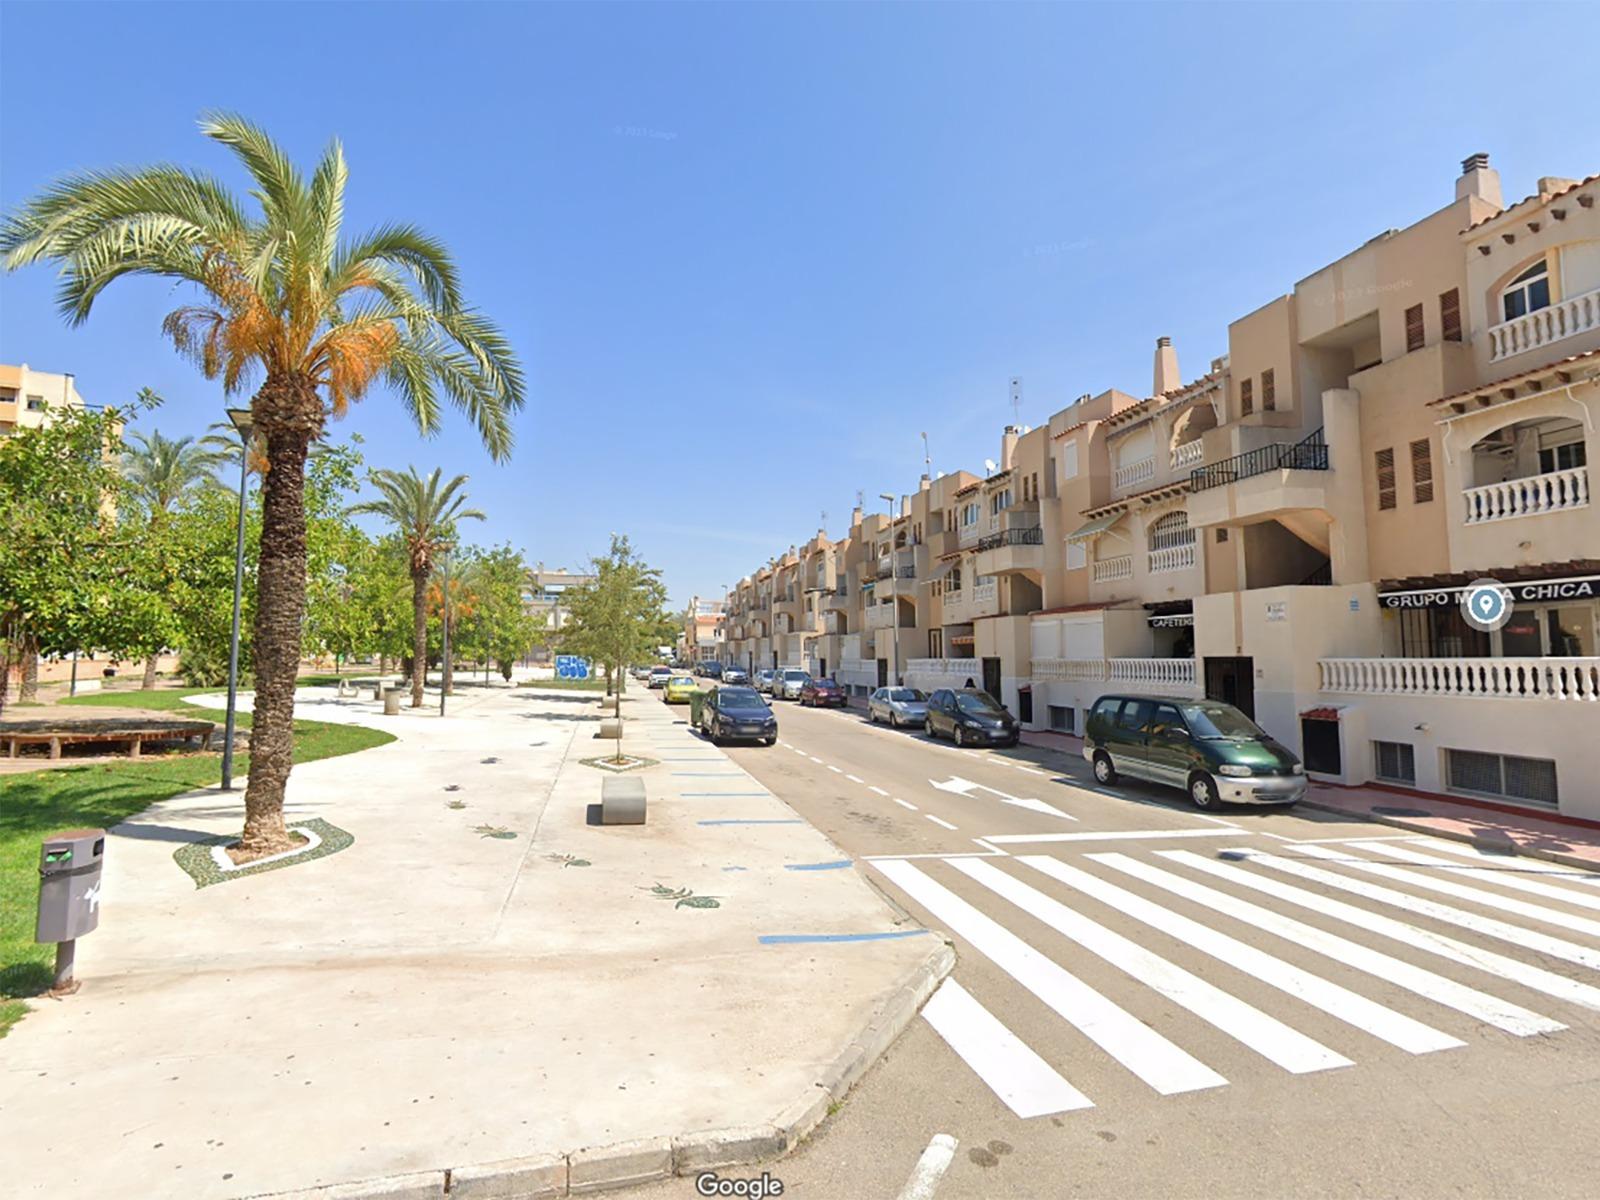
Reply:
x=989, y=465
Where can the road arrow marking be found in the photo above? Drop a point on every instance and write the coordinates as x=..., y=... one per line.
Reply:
x=965, y=787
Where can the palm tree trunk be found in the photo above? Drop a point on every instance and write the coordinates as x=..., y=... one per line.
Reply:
x=289, y=413
x=419, y=635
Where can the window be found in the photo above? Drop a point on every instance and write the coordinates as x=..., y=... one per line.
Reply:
x=1394, y=762
x=35, y=403
x=1450, y=315
x=1222, y=535
x=1133, y=715
x=1247, y=397
x=1061, y=718
x=1269, y=392
x=1171, y=530
x=1566, y=457
x=1386, y=489
x=1421, y=471
x=1532, y=779
x=1069, y=461
x=1528, y=292
x=1077, y=556
x=1416, y=334
x=1000, y=501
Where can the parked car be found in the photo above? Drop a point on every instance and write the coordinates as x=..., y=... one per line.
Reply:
x=738, y=712
x=763, y=680
x=787, y=682
x=733, y=674
x=899, y=706
x=679, y=688
x=822, y=693
x=1208, y=748
x=711, y=669
x=658, y=676
x=970, y=717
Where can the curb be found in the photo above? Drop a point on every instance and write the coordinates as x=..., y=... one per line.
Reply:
x=1496, y=844
x=627, y=1164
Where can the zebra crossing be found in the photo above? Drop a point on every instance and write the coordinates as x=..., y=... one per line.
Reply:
x=1314, y=928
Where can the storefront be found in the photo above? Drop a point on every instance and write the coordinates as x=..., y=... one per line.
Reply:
x=1555, y=617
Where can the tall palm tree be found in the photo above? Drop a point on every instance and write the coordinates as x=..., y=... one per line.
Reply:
x=305, y=320
x=425, y=516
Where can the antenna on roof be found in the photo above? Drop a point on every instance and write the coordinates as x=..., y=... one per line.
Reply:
x=861, y=497
x=990, y=465
x=1016, y=399
x=927, y=461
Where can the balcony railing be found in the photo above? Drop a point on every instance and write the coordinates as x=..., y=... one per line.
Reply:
x=1555, y=491
x=1106, y=570
x=1187, y=454
x=984, y=592
x=1152, y=674
x=969, y=534
x=880, y=616
x=1141, y=470
x=1308, y=454
x=1172, y=558
x=1480, y=678
x=1012, y=537
x=1563, y=319
x=1093, y=669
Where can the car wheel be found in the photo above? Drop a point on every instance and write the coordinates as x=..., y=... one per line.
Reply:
x=1203, y=790
x=715, y=735
x=894, y=721
x=931, y=730
x=1104, y=770
x=960, y=737
x=771, y=741
x=872, y=715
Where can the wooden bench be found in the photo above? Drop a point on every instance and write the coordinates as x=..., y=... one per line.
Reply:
x=134, y=735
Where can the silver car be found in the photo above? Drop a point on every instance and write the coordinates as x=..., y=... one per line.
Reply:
x=899, y=706
x=763, y=680
x=787, y=682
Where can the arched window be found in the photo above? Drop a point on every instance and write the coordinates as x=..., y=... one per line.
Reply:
x=1171, y=530
x=1528, y=292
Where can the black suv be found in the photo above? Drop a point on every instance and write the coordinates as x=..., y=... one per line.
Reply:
x=971, y=718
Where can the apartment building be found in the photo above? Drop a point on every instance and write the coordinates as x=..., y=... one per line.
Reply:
x=27, y=396
x=1292, y=531
x=543, y=596
x=702, y=637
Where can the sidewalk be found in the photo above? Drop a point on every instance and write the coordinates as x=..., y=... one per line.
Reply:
x=1500, y=828
x=538, y=1008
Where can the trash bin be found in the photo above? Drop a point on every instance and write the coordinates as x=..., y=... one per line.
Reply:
x=391, y=702
x=69, y=894
x=697, y=700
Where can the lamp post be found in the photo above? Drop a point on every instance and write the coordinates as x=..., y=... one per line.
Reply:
x=241, y=419
x=444, y=658
x=894, y=594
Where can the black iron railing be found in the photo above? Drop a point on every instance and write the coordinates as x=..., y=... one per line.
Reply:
x=1308, y=454
x=1012, y=537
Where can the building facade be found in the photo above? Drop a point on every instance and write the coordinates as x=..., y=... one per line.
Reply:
x=543, y=594
x=28, y=396
x=1292, y=531
x=702, y=636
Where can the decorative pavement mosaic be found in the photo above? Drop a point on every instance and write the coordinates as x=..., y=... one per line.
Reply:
x=207, y=862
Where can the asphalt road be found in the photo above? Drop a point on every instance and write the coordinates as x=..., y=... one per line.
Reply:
x=1256, y=1003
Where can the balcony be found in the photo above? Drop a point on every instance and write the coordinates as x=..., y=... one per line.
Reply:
x=931, y=673
x=1308, y=454
x=1109, y=570
x=1132, y=474
x=1188, y=454
x=1530, y=496
x=880, y=616
x=1474, y=678
x=970, y=534
x=1172, y=558
x=1170, y=675
x=1008, y=551
x=1531, y=331
x=966, y=606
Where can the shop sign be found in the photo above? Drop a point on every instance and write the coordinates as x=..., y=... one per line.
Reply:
x=1533, y=591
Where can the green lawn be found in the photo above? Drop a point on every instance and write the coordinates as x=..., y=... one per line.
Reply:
x=595, y=683
x=40, y=802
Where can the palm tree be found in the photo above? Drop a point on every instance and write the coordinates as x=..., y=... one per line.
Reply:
x=425, y=516
x=304, y=319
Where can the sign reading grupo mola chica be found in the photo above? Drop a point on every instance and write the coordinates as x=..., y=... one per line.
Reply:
x=570, y=666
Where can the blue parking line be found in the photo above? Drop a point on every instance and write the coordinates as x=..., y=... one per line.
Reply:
x=823, y=866
x=752, y=821
x=791, y=939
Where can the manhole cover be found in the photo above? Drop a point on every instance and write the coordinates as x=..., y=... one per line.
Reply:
x=1388, y=810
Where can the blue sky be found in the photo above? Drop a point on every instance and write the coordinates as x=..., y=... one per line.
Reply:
x=748, y=253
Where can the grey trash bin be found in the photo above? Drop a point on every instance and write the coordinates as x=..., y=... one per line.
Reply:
x=69, y=894
x=391, y=702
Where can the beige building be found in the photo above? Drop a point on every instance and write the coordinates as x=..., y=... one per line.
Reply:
x=543, y=597
x=1293, y=530
x=27, y=396
x=702, y=636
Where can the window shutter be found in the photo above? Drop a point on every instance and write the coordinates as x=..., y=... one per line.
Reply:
x=1415, y=334
x=1222, y=534
x=1421, y=471
x=1247, y=399
x=1386, y=493
x=1450, y=315
x=1269, y=392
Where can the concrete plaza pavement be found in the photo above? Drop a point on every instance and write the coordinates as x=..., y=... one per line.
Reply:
x=436, y=998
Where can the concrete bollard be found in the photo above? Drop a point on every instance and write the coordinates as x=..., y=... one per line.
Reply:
x=622, y=800
x=377, y=691
x=391, y=702
x=611, y=728
x=608, y=704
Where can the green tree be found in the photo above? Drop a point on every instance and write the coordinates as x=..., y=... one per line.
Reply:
x=425, y=516
x=308, y=321
x=500, y=630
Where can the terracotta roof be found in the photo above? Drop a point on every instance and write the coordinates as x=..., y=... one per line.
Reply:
x=1529, y=199
x=1325, y=713
x=971, y=487
x=1513, y=380
x=1069, y=429
x=1092, y=606
x=1158, y=492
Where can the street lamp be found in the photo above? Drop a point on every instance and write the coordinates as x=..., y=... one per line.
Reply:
x=894, y=593
x=241, y=419
x=444, y=658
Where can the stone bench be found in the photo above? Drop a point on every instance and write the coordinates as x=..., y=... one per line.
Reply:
x=622, y=800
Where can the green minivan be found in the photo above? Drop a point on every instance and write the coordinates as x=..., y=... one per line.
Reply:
x=1208, y=748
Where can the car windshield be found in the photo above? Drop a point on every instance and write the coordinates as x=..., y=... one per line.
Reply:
x=741, y=699
x=683, y=679
x=1220, y=721
x=977, y=702
x=795, y=676
x=906, y=694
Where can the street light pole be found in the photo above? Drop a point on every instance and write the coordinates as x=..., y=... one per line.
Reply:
x=242, y=422
x=894, y=595
x=444, y=659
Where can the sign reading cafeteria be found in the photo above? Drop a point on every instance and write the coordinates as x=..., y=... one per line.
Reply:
x=1533, y=591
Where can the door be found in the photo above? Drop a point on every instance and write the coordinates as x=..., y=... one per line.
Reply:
x=822, y=668
x=1233, y=681
x=1167, y=746
x=991, y=677
x=1025, y=705
x=883, y=672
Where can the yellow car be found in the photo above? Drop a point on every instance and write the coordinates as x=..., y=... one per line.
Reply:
x=679, y=689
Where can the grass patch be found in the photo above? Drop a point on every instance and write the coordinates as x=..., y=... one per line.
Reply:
x=100, y=795
x=594, y=683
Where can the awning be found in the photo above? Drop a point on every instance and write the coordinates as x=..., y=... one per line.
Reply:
x=943, y=569
x=1096, y=527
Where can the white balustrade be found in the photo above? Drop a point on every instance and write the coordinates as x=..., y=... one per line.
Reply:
x=1187, y=454
x=1140, y=470
x=984, y=592
x=1069, y=668
x=1108, y=569
x=1153, y=672
x=880, y=616
x=1532, y=495
x=1482, y=678
x=1172, y=558
x=1553, y=323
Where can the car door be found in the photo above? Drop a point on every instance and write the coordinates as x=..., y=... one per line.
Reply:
x=1167, y=746
x=1126, y=738
x=939, y=712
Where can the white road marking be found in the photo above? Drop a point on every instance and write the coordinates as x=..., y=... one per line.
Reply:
x=1029, y=1086
x=930, y=1168
x=941, y=855
x=1267, y=1036
x=855, y=779
x=965, y=787
x=835, y=769
x=1003, y=839
x=1164, y=1066
x=1525, y=865
x=989, y=846
x=814, y=758
x=1384, y=1023
x=1526, y=974
x=878, y=790
x=1501, y=1014
x=906, y=804
x=939, y=820
x=1498, y=875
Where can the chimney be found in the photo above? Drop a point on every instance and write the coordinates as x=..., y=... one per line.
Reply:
x=855, y=517
x=1167, y=378
x=1008, y=446
x=1479, y=179
x=924, y=483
